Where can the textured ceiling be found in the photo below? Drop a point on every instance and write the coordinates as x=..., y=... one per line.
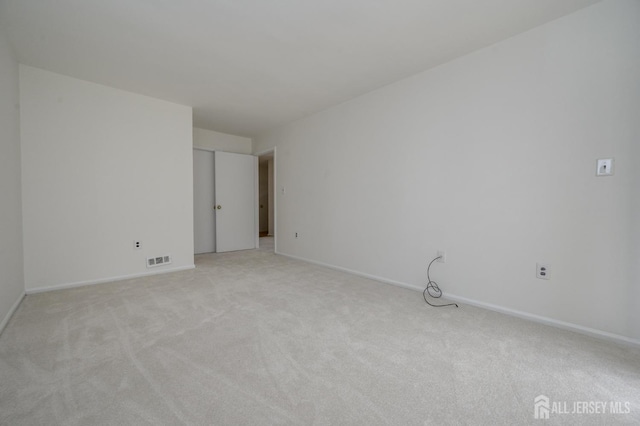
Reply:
x=248, y=65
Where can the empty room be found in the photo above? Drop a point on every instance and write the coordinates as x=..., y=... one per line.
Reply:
x=319, y=212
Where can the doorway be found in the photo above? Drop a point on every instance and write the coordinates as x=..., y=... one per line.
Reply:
x=266, y=200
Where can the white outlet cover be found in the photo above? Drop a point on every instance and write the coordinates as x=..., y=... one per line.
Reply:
x=542, y=271
x=604, y=167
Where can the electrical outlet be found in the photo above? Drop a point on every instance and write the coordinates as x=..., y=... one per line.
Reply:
x=296, y=235
x=542, y=271
x=604, y=167
x=137, y=245
x=442, y=255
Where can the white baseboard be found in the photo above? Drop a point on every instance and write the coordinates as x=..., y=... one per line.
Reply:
x=7, y=317
x=627, y=341
x=351, y=271
x=547, y=321
x=107, y=280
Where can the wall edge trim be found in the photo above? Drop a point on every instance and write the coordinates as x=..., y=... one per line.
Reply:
x=106, y=280
x=7, y=318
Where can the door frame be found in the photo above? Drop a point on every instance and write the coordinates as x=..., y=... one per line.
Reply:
x=275, y=197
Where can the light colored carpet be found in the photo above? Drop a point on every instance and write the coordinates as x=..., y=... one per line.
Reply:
x=267, y=243
x=255, y=338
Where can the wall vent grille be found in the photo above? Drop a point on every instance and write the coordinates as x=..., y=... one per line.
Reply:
x=152, y=262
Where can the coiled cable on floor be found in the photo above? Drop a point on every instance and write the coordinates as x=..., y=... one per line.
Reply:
x=433, y=290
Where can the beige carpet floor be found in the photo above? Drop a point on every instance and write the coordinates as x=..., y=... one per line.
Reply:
x=255, y=338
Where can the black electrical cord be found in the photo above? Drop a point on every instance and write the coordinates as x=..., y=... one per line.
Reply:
x=433, y=286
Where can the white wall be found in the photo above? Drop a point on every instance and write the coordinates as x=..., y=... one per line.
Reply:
x=633, y=301
x=216, y=141
x=490, y=157
x=11, y=275
x=101, y=168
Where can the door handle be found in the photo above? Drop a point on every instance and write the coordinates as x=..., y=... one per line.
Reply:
x=218, y=207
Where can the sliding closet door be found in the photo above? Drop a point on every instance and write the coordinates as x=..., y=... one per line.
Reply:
x=203, y=202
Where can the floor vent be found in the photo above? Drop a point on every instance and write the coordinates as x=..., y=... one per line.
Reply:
x=158, y=261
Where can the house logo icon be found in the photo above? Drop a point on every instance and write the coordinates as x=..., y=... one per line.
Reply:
x=541, y=407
